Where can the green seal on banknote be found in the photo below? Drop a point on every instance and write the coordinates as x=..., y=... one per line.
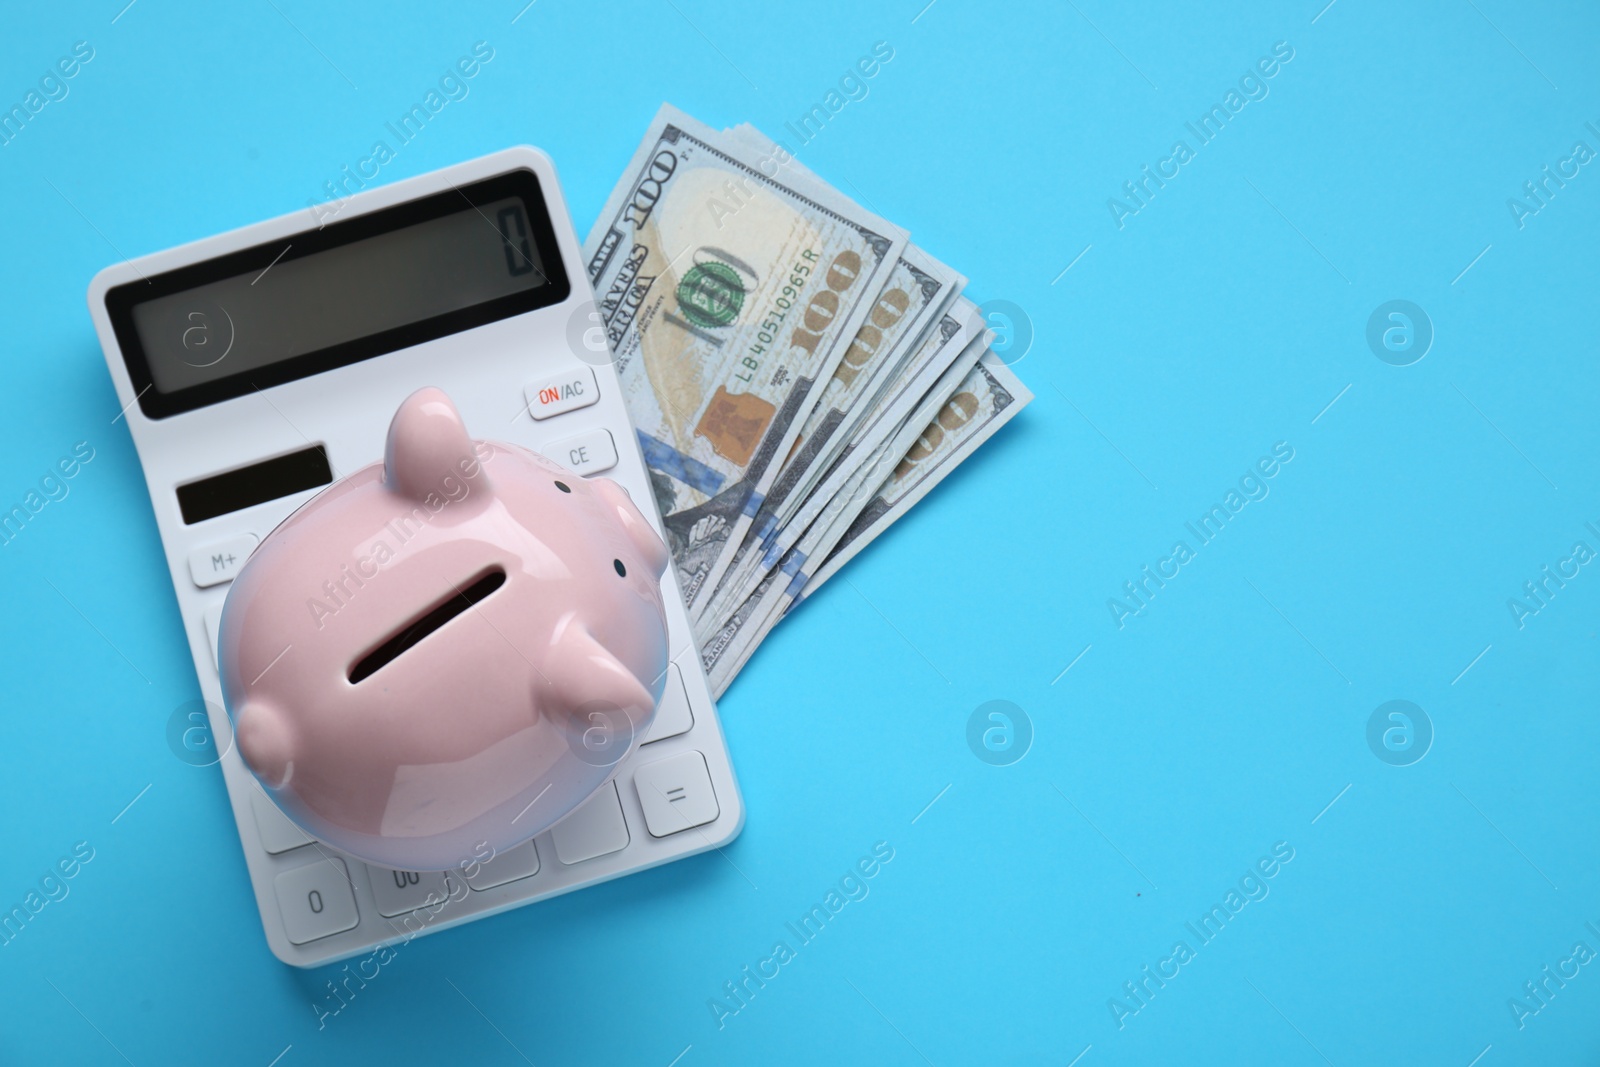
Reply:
x=711, y=294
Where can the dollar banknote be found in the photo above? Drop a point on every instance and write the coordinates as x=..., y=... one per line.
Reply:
x=728, y=297
x=799, y=375
x=731, y=644
x=989, y=397
x=910, y=381
x=959, y=337
x=916, y=293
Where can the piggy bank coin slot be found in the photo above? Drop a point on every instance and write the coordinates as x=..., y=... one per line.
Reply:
x=410, y=635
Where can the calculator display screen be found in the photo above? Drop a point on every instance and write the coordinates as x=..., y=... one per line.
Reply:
x=332, y=296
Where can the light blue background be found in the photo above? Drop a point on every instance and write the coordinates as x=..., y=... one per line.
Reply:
x=1223, y=317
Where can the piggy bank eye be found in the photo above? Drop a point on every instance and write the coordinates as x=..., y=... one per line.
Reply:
x=564, y=487
x=622, y=572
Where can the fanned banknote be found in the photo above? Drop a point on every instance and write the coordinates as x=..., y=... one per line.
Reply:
x=790, y=571
x=959, y=334
x=726, y=296
x=941, y=346
x=799, y=375
x=915, y=295
x=989, y=397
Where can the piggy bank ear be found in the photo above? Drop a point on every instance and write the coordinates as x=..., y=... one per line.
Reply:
x=651, y=547
x=266, y=743
x=428, y=450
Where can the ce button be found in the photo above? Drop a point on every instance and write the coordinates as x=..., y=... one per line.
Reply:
x=589, y=452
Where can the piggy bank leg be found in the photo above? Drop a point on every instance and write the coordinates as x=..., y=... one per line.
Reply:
x=265, y=743
x=582, y=673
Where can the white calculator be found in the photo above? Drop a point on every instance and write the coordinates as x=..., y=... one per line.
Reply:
x=257, y=366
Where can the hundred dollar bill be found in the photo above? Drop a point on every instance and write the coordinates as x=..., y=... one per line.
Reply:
x=917, y=291
x=916, y=294
x=989, y=397
x=724, y=654
x=781, y=583
x=958, y=339
x=726, y=295
x=731, y=644
x=908, y=384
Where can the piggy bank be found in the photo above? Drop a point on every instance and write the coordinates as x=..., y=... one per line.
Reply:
x=448, y=650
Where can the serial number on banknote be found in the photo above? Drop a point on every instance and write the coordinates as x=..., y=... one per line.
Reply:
x=785, y=299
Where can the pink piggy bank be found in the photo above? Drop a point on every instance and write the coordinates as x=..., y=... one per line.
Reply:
x=449, y=649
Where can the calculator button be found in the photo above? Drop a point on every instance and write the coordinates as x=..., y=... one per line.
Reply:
x=566, y=391
x=217, y=563
x=316, y=900
x=673, y=716
x=589, y=452
x=508, y=866
x=595, y=829
x=400, y=892
x=676, y=794
x=277, y=833
x=213, y=619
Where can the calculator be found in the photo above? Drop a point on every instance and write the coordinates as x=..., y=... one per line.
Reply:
x=257, y=366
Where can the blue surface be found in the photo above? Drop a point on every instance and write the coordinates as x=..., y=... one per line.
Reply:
x=1223, y=317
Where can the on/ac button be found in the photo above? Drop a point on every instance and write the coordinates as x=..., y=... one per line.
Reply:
x=565, y=391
